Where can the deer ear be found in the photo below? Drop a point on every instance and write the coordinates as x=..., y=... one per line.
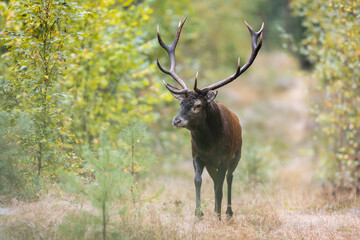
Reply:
x=211, y=95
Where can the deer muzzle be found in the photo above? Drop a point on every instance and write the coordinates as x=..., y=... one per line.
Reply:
x=179, y=122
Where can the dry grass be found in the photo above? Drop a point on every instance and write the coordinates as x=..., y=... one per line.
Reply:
x=38, y=220
x=302, y=212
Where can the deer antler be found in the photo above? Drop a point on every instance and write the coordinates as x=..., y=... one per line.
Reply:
x=170, y=49
x=255, y=49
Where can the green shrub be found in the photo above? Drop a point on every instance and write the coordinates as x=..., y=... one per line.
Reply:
x=256, y=165
x=16, y=179
x=116, y=171
x=332, y=45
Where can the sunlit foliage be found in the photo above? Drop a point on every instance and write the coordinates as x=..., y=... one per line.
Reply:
x=332, y=45
x=111, y=83
x=71, y=69
x=39, y=38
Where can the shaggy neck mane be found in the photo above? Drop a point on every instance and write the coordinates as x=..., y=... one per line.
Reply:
x=209, y=132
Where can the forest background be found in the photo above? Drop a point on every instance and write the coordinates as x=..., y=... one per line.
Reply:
x=87, y=149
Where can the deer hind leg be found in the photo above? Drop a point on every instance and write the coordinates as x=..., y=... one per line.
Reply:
x=229, y=179
x=199, y=167
x=218, y=190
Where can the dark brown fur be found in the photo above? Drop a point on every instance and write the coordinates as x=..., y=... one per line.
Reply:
x=219, y=138
x=215, y=131
x=215, y=140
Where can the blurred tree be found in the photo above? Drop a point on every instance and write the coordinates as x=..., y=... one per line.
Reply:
x=111, y=85
x=211, y=38
x=215, y=35
x=38, y=36
x=10, y=152
x=3, y=15
x=332, y=45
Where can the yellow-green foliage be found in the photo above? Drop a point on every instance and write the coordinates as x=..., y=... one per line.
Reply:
x=38, y=39
x=73, y=68
x=332, y=45
x=111, y=83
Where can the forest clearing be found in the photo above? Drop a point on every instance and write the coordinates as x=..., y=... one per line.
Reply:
x=88, y=149
x=298, y=212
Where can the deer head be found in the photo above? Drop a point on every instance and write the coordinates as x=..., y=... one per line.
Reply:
x=195, y=103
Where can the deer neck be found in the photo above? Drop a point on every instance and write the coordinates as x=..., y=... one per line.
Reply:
x=208, y=133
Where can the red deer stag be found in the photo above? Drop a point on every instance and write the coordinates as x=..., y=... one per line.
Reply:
x=215, y=130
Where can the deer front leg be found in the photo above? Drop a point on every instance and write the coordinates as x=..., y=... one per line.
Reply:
x=199, y=167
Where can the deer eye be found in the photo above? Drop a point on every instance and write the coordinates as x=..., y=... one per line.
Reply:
x=196, y=108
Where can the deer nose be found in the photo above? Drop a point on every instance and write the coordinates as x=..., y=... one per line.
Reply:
x=179, y=122
x=176, y=121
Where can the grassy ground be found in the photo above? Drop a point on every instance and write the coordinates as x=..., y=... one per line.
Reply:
x=270, y=103
x=278, y=212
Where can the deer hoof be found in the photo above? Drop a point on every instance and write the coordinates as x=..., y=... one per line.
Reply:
x=229, y=213
x=199, y=214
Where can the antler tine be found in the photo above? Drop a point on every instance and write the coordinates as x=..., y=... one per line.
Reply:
x=255, y=35
x=255, y=49
x=173, y=89
x=195, y=85
x=170, y=49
